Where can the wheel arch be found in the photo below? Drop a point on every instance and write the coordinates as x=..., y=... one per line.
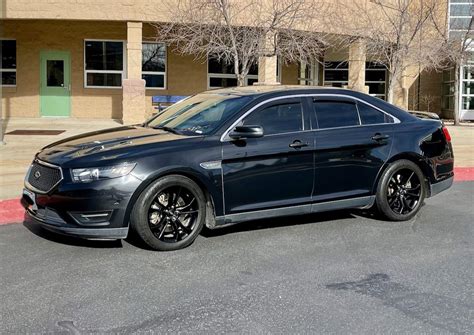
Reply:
x=414, y=157
x=199, y=179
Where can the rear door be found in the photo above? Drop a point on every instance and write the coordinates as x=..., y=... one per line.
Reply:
x=275, y=170
x=353, y=141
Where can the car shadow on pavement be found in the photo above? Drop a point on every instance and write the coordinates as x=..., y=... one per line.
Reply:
x=286, y=221
x=69, y=240
x=207, y=233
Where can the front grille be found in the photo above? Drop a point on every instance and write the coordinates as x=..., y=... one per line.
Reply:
x=44, y=177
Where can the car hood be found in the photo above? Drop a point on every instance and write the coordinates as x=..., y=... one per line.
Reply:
x=109, y=144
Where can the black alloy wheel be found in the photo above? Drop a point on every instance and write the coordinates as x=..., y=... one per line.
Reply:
x=173, y=213
x=170, y=213
x=404, y=191
x=401, y=191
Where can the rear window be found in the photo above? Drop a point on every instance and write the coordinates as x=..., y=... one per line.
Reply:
x=370, y=115
x=334, y=114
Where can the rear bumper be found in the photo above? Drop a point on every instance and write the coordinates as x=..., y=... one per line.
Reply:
x=88, y=233
x=440, y=186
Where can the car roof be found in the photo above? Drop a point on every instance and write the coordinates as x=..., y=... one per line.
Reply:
x=258, y=92
x=268, y=89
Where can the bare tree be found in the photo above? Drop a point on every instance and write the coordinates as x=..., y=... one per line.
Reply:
x=400, y=35
x=238, y=32
x=427, y=100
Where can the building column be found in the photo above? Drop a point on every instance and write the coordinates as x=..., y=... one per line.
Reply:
x=133, y=101
x=400, y=94
x=267, y=61
x=357, y=59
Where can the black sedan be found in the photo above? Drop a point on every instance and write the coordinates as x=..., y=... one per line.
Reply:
x=232, y=155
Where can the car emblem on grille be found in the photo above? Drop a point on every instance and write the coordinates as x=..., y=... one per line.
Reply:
x=37, y=175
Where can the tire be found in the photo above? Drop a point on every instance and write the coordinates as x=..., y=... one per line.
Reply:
x=401, y=191
x=162, y=217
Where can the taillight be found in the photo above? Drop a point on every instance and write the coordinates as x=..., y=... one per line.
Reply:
x=447, y=136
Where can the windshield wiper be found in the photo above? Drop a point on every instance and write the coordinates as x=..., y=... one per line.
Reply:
x=168, y=129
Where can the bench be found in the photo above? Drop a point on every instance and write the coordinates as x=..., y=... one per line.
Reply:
x=160, y=102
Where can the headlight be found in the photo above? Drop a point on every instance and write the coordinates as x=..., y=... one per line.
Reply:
x=87, y=175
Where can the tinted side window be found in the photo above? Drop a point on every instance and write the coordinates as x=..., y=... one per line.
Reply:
x=277, y=119
x=369, y=115
x=332, y=114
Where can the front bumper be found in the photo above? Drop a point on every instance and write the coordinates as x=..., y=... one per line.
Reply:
x=441, y=186
x=88, y=233
x=96, y=210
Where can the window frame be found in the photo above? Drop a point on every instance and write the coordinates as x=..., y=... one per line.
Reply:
x=16, y=63
x=343, y=66
x=225, y=135
x=165, y=77
x=450, y=82
x=368, y=68
x=124, y=63
x=464, y=81
x=225, y=76
x=454, y=3
x=313, y=69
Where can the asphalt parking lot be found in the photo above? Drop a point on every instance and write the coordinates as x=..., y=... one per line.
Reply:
x=338, y=272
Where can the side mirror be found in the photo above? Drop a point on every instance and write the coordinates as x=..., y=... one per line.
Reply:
x=242, y=132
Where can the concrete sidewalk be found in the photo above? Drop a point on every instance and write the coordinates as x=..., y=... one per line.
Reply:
x=463, y=144
x=17, y=154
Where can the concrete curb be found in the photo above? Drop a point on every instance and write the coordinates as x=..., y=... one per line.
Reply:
x=11, y=210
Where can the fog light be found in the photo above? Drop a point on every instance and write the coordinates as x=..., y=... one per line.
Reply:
x=92, y=218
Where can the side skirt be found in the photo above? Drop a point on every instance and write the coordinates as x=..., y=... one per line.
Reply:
x=361, y=202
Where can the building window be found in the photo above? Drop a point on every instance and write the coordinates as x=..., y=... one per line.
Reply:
x=376, y=78
x=221, y=75
x=460, y=13
x=448, y=90
x=154, y=65
x=8, y=66
x=308, y=74
x=467, y=87
x=104, y=63
x=336, y=74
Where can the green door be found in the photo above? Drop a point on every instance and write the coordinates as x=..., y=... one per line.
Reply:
x=55, y=78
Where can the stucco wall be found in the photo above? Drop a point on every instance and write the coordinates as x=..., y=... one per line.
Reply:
x=184, y=75
x=289, y=74
x=328, y=12
x=34, y=36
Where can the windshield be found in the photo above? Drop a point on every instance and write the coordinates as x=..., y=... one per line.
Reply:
x=200, y=114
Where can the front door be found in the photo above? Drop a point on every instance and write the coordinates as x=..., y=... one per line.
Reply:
x=55, y=81
x=275, y=170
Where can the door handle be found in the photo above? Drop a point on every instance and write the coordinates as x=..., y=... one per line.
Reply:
x=297, y=144
x=379, y=137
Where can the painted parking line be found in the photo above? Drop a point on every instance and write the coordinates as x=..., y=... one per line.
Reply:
x=11, y=210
